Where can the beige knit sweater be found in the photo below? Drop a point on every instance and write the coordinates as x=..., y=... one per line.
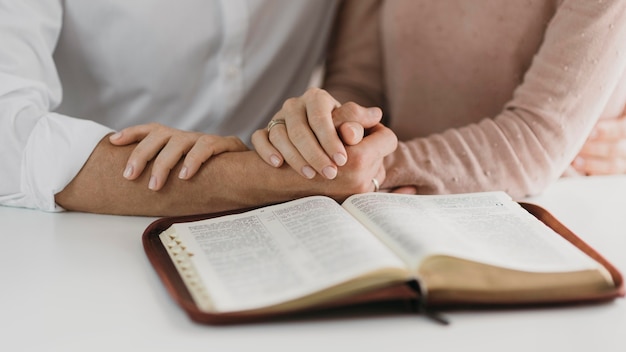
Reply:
x=483, y=94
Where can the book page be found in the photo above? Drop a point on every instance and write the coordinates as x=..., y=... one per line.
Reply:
x=486, y=227
x=277, y=253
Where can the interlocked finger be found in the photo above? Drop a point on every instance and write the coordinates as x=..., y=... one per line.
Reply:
x=280, y=140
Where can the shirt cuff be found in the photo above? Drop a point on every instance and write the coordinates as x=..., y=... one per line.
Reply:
x=56, y=150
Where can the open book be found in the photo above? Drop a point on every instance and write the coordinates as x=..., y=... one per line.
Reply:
x=467, y=249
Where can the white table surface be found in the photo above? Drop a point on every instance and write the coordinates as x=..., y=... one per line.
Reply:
x=82, y=282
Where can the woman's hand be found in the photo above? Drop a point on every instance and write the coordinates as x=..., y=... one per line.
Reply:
x=310, y=133
x=167, y=146
x=604, y=152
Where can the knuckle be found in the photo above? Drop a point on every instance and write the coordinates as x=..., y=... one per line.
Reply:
x=318, y=118
x=313, y=92
x=183, y=140
x=351, y=108
x=207, y=139
x=298, y=133
x=363, y=185
x=358, y=159
x=319, y=93
x=162, y=130
x=155, y=126
x=347, y=112
x=291, y=103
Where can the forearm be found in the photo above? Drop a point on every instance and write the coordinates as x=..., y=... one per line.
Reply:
x=354, y=61
x=226, y=181
x=475, y=158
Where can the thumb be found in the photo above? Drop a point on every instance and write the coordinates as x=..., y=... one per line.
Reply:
x=351, y=133
x=367, y=117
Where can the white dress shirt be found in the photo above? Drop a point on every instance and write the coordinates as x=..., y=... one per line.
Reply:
x=72, y=71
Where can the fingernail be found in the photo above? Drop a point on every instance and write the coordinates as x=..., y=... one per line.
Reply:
x=152, y=183
x=340, y=159
x=115, y=135
x=183, y=173
x=308, y=172
x=128, y=171
x=275, y=160
x=373, y=111
x=330, y=172
x=356, y=137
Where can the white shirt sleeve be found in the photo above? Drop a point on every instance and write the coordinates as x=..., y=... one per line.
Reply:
x=220, y=67
x=40, y=152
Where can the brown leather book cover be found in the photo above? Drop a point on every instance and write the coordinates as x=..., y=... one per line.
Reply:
x=398, y=296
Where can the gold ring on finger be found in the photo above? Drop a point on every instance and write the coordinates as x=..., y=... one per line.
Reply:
x=273, y=123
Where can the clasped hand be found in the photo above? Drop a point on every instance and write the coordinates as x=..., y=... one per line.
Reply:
x=320, y=135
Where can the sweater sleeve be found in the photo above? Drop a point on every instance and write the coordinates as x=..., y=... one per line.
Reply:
x=532, y=141
x=354, y=61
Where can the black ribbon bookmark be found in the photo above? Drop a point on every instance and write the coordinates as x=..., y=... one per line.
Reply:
x=418, y=304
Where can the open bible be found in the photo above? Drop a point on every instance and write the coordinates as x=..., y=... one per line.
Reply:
x=443, y=250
